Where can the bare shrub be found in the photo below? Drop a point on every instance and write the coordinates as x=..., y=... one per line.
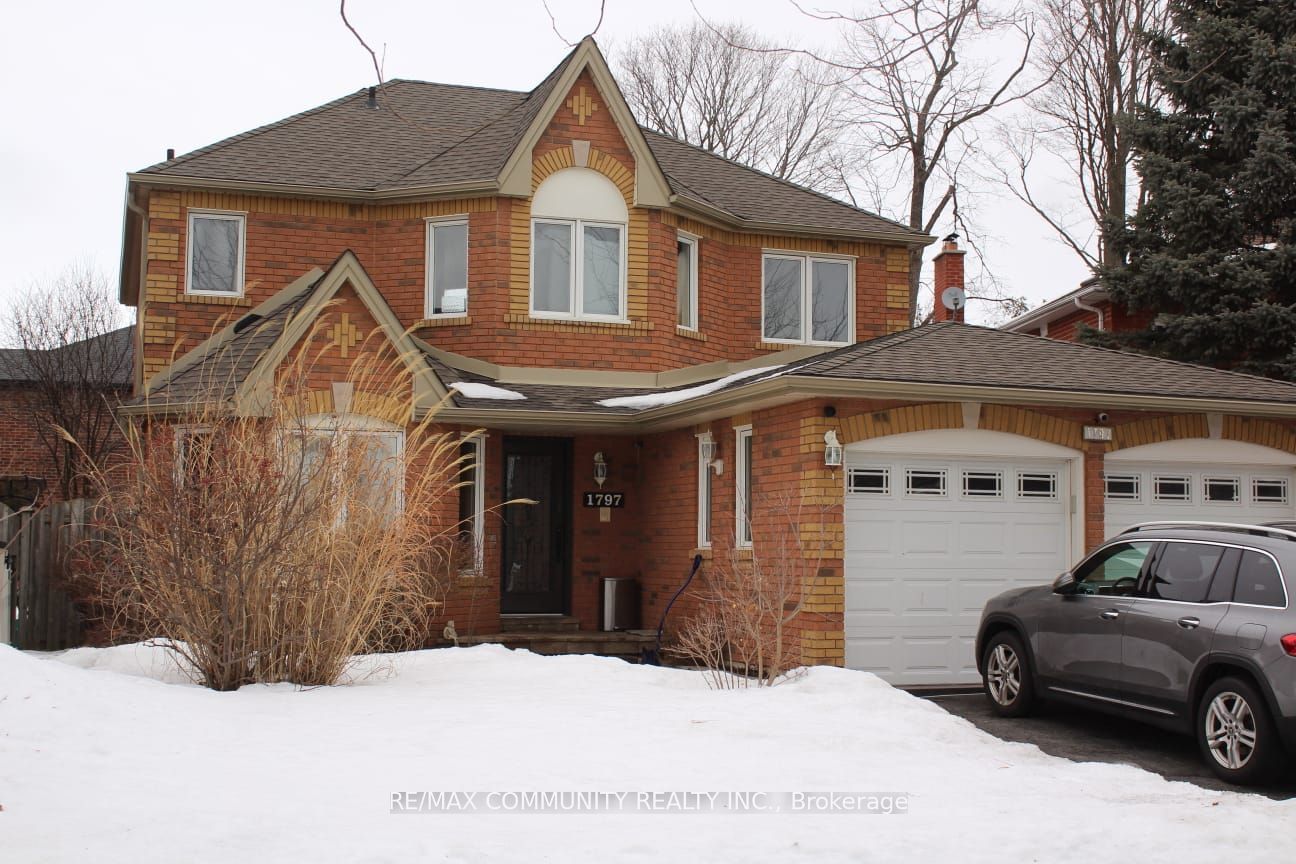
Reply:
x=740, y=632
x=275, y=547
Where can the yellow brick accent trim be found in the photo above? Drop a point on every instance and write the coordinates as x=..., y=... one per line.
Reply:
x=345, y=335
x=526, y=322
x=690, y=334
x=897, y=260
x=1157, y=429
x=821, y=540
x=163, y=246
x=788, y=242
x=1032, y=424
x=826, y=648
x=457, y=321
x=895, y=421
x=331, y=209
x=164, y=205
x=209, y=300
x=1266, y=433
x=377, y=405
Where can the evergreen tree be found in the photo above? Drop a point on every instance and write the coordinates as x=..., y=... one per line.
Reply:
x=1210, y=251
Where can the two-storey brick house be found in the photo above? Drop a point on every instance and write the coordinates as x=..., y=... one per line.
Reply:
x=599, y=297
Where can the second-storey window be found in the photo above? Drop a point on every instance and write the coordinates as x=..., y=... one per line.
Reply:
x=578, y=247
x=578, y=268
x=447, y=267
x=806, y=299
x=686, y=299
x=214, y=249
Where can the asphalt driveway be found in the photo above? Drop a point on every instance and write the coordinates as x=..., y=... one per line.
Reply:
x=1088, y=736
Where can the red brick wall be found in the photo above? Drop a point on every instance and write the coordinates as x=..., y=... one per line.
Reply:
x=21, y=452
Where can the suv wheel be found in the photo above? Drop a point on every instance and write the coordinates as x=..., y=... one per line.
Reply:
x=1236, y=736
x=1007, y=679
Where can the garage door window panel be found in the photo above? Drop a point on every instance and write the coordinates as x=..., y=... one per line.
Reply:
x=869, y=481
x=983, y=484
x=1169, y=489
x=1269, y=490
x=923, y=483
x=1037, y=485
x=1222, y=490
x=1121, y=487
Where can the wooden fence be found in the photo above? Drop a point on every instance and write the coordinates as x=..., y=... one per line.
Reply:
x=41, y=616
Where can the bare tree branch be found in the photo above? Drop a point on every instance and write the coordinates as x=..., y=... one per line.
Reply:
x=376, y=64
x=553, y=22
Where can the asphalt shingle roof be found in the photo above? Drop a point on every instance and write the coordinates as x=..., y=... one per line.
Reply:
x=963, y=354
x=110, y=359
x=425, y=134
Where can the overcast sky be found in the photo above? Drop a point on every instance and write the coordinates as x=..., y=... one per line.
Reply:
x=95, y=89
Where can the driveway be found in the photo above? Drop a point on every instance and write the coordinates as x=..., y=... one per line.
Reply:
x=1088, y=736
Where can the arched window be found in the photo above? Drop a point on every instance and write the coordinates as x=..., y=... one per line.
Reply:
x=578, y=230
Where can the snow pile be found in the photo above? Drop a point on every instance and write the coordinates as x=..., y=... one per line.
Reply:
x=653, y=400
x=105, y=766
x=474, y=390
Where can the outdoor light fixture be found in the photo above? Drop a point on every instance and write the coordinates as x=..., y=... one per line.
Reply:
x=600, y=469
x=832, y=450
x=708, y=450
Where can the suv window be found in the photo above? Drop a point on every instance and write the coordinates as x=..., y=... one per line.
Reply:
x=1258, y=581
x=1113, y=570
x=1183, y=572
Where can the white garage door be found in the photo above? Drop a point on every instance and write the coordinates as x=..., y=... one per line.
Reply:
x=1153, y=491
x=928, y=541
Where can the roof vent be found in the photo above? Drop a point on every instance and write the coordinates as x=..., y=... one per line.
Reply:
x=373, y=97
x=170, y=153
x=246, y=321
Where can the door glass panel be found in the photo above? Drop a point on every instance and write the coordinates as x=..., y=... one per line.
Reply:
x=1183, y=572
x=1258, y=581
x=1113, y=570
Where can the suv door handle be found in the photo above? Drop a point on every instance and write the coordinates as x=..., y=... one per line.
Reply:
x=1109, y=614
x=1189, y=623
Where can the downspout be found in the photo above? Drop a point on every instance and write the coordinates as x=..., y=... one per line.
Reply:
x=1093, y=309
x=140, y=299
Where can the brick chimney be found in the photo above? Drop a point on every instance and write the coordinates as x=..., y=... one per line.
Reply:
x=949, y=272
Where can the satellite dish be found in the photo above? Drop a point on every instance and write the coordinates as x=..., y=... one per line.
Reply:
x=953, y=298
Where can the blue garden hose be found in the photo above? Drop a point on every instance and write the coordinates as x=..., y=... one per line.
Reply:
x=652, y=656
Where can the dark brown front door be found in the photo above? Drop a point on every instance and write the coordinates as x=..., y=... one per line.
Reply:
x=537, y=537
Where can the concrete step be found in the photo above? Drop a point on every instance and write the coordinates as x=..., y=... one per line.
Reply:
x=625, y=644
x=538, y=623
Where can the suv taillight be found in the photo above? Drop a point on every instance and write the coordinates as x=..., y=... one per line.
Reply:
x=1289, y=643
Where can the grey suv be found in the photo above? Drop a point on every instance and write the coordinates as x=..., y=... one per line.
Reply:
x=1184, y=625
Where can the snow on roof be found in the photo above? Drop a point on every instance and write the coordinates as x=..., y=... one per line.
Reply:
x=475, y=390
x=671, y=397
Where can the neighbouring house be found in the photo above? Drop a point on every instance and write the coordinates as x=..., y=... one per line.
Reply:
x=603, y=299
x=1088, y=306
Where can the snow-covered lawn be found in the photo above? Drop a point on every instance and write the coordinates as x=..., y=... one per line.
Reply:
x=106, y=756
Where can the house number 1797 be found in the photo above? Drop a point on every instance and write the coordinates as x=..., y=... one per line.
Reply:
x=604, y=499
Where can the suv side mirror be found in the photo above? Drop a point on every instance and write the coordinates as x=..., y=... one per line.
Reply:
x=1064, y=584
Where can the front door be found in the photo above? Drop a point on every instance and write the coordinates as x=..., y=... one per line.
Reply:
x=537, y=537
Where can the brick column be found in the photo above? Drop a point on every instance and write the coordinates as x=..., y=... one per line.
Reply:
x=949, y=272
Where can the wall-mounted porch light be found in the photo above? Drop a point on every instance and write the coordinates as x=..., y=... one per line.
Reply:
x=708, y=450
x=832, y=450
x=600, y=469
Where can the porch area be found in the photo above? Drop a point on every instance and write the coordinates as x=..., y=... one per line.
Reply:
x=562, y=634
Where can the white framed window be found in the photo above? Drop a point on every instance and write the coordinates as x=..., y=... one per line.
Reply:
x=704, y=486
x=923, y=483
x=578, y=247
x=370, y=455
x=1121, y=487
x=577, y=270
x=982, y=484
x=1269, y=490
x=807, y=299
x=193, y=452
x=1037, y=484
x=868, y=481
x=214, y=249
x=1222, y=490
x=472, y=500
x=686, y=281
x=743, y=487
x=446, y=291
x=1171, y=488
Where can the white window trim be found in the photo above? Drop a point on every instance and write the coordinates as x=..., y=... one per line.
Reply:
x=430, y=224
x=807, y=325
x=345, y=426
x=742, y=524
x=704, y=500
x=692, y=241
x=478, y=443
x=576, y=275
x=182, y=435
x=229, y=215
